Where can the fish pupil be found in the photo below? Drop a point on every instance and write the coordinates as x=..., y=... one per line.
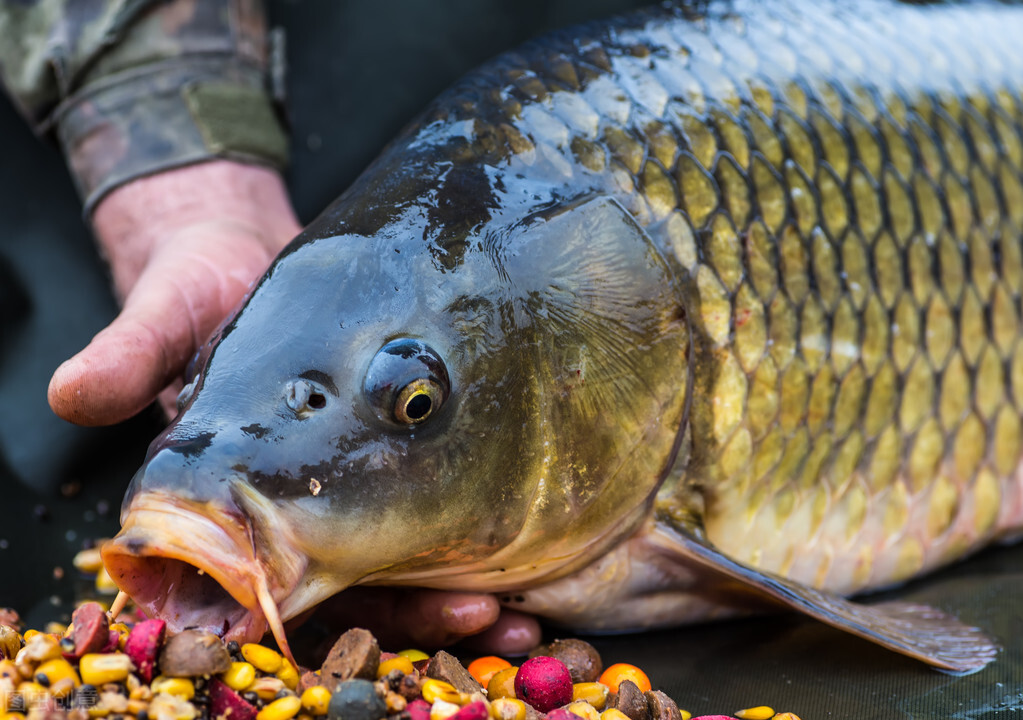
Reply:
x=419, y=406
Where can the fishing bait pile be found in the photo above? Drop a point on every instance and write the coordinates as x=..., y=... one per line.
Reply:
x=95, y=668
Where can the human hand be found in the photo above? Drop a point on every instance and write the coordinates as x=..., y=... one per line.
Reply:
x=429, y=619
x=184, y=247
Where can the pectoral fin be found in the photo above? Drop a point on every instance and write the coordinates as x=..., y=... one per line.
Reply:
x=919, y=631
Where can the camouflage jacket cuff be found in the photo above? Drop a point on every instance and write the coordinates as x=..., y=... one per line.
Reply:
x=183, y=111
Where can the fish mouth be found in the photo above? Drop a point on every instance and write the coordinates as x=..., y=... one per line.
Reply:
x=195, y=565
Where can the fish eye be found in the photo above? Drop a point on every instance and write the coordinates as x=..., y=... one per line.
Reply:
x=417, y=400
x=406, y=382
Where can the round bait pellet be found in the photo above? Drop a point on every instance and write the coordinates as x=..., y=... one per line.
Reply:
x=356, y=700
x=544, y=682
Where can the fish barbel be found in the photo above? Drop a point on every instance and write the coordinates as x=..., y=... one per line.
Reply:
x=635, y=323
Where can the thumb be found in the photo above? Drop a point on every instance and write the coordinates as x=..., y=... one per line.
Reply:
x=182, y=295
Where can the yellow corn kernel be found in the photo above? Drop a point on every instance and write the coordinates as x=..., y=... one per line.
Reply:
x=779, y=716
x=12, y=716
x=178, y=687
x=9, y=670
x=398, y=663
x=38, y=648
x=414, y=655
x=288, y=674
x=502, y=683
x=584, y=710
x=283, y=708
x=88, y=561
x=686, y=715
x=266, y=688
x=170, y=707
x=613, y=714
x=32, y=692
x=508, y=709
x=262, y=657
x=134, y=706
x=56, y=670
x=29, y=634
x=434, y=690
x=100, y=668
x=105, y=584
x=316, y=699
x=594, y=693
x=442, y=710
x=239, y=676
x=760, y=712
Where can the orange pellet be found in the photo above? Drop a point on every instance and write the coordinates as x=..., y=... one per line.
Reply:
x=484, y=668
x=615, y=674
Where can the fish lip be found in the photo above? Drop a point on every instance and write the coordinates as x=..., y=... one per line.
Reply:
x=163, y=536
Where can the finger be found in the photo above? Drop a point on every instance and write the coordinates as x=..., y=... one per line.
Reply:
x=179, y=299
x=514, y=633
x=425, y=619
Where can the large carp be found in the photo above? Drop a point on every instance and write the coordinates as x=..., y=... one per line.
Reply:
x=633, y=323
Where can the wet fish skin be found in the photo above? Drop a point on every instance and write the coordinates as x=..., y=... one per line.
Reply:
x=835, y=199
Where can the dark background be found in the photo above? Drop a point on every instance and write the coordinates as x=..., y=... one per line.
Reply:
x=357, y=73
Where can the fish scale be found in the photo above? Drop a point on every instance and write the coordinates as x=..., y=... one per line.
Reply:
x=845, y=201
x=712, y=293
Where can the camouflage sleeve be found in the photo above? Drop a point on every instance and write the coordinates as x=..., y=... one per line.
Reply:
x=134, y=87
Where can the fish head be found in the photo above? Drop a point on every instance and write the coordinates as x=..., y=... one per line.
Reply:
x=380, y=412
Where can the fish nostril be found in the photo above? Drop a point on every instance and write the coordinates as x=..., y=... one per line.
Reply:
x=303, y=396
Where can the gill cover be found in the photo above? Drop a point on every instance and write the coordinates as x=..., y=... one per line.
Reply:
x=594, y=345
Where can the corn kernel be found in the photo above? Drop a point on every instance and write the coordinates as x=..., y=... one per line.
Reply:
x=398, y=663
x=283, y=708
x=6, y=694
x=394, y=702
x=39, y=648
x=12, y=716
x=594, y=693
x=88, y=561
x=288, y=674
x=414, y=655
x=434, y=690
x=316, y=699
x=262, y=657
x=303, y=716
x=32, y=692
x=442, y=710
x=613, y=714
x=508, y=709
x=171, y=707
x=502, y=684
x=266, y=688
x=584, y=710
x=97, y=668
x=779, y=716
x=178, y=687
x=105, y=584
x=239, y=676
x=760, y=712
x=29, y=634
x=56, y=670
x=9, y=670
x=686, y=715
